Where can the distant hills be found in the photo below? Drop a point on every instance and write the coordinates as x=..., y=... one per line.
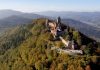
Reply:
x=86, y=22
x=11, y=18
x=89, y=17
x=87, y=29
x=16, y=17
x=9, y=13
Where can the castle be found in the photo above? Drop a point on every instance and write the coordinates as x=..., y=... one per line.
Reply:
x=56, y=29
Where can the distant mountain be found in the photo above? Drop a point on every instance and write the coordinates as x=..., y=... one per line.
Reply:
x=8, y=13
x=12, y=21
x=11, y=18
x=87, y=22
x=32, y=16
x=92, y=18
x=84, y=28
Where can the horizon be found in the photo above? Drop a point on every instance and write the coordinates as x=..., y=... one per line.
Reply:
x=48, y=11
x=48, y=5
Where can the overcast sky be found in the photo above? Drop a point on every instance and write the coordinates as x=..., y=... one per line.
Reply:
x=50, y=5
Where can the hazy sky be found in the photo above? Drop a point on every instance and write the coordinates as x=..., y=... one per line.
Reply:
x=50, y=5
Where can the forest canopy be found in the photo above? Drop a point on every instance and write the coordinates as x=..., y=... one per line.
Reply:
x=27, y=47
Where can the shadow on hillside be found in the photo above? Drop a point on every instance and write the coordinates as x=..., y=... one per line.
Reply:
x=94, y=66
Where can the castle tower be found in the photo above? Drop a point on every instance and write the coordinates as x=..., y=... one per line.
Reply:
x=59, y=22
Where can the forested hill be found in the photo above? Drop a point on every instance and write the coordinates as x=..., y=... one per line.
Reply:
x=28, y=47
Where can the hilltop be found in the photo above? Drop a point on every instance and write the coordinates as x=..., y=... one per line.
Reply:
x=28, y=47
